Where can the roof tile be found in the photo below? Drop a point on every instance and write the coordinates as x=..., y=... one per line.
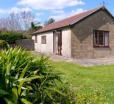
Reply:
x=68, y=21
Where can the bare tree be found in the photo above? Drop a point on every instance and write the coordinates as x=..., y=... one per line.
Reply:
x=14, y=23
x=17, y=21
x=26, y=18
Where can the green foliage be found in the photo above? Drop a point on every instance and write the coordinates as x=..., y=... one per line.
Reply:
x=95, y=96
x=35, y=26
x=88, y=82
x=3, y=44
x=25, y=79
x=13, y=75
x=51, y=20
x=11, y=36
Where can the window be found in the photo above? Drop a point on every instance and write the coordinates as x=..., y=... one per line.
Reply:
x=43, y=39
x=35, y=39
x=101, y=38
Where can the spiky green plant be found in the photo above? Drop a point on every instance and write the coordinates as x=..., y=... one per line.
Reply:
x=14, y=68
x=25, y=79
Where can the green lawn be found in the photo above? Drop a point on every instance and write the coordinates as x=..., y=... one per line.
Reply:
x=98, y=77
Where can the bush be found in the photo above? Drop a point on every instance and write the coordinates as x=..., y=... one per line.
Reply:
x=3, y=44
x=11, y=37
x=25, y=79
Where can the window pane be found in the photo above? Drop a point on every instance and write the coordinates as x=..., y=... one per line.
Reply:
x=96, y=39
x=106, y=38
x=43, y=40
x=101, y=38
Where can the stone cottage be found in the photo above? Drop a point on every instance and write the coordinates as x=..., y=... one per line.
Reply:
x=86, y=35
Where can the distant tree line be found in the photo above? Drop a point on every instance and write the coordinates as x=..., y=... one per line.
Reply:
x=17, y=21
x=22, y=21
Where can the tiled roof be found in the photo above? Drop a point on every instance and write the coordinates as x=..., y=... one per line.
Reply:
x=68, y=21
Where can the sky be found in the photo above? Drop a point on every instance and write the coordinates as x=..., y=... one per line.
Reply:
x=57, y=9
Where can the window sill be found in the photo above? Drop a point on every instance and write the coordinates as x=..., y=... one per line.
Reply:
x=101, y=46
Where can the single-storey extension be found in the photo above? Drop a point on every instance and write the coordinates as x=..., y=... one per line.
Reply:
x=86, y=35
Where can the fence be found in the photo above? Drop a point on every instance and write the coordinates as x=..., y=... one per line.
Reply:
x=26, y=43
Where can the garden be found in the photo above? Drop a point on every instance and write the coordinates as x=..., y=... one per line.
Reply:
x=26, y=78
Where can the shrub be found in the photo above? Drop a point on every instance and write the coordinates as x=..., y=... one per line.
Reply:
x=25, y=79
x=3, y=44
x=11, y=37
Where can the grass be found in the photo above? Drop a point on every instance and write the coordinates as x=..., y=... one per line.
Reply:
x=88, y=78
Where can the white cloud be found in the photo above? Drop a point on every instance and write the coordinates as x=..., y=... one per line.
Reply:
x=45, y=7
x=58, y=11
x=14, y=10
x=39, y=14
x=1, y=11
x=18, y=10
x=63, y=15
x=49, y=4
x=80, y=10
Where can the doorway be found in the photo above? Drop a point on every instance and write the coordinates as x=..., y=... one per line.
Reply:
x=57, y=42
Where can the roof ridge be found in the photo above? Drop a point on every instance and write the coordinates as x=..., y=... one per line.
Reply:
x=69, y=21
x=75, y=15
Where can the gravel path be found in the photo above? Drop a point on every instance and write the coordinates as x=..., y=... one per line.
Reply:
x=83, y=62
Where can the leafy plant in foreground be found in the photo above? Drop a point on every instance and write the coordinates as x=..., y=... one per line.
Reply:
x=3, y=44
x=25, y=79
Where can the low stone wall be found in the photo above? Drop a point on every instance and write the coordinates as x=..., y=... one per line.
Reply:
x=26, y=43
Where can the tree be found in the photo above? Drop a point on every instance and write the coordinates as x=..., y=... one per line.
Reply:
x=17, y=21
x=35, y=26
x=26, y=18
x=10, y=23
x=51, y=20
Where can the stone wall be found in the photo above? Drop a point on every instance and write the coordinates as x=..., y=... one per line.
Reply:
x=82, y=36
